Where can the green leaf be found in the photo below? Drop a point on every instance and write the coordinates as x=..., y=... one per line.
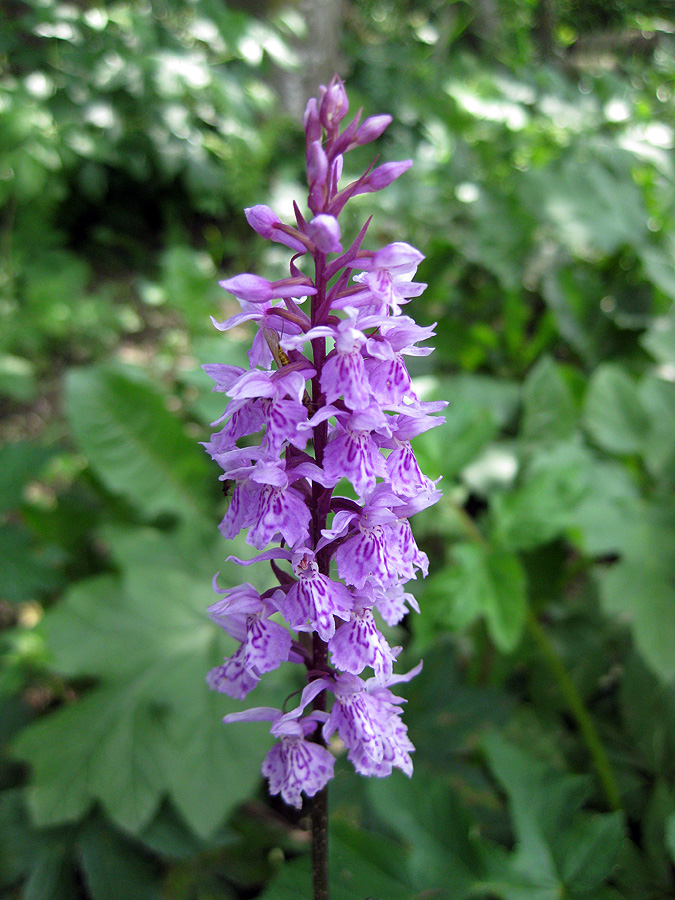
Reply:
x=613, y=414
x=190, y=283
x=542, y=506
x=135, y=445
x=646, y=595
x=591, y=202
x=658, y=266
x=589, y=850
x=549, y=412
x=152, y=728
x=52, y=877
x=488, y=581
x=20, y=463
x=113, y=868
x=670, y=836
x=559, y=849
x=658, y=399
x=26, y=569
x=445, y=854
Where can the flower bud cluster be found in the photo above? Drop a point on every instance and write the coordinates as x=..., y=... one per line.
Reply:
x=333, y=480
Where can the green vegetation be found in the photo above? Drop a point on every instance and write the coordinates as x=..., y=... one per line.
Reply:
x=543, y=194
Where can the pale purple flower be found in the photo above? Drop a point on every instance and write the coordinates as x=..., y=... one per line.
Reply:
x=358, y=644
x=295, y=765
x=370, y=130
x=235, y=677
x=355, y=455
x=391, y=603
x=315, y=598
x=366, y=715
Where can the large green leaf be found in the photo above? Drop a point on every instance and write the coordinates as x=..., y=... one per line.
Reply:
x=26, y=568
x=114, y=868
x=640, y=588
x=614, y=415
x=549, y=412
x=152, y=727
x=645, y=595
x=20, y=463
x=486, y=581
x=543, y=503
x=658, y=399
x=53, y=876
x=134, y=444
x=560, y=850
x=444, y=852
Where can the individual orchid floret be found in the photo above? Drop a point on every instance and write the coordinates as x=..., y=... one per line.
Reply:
x=354, y=453
x=317, y=172
x=315, y=600
x=264, y=502
x=280, y=413
x=366, y=716
x=245, y=616
x=392, y=603
x=404, y=473
x=334, y=105
x=293, y=766
x=280, y=509
x=388, y=277
x=365, y=558
x=234, y=677
x=358, y=644
x=383, y=176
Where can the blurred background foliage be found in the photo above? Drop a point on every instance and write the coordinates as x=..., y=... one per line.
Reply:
x=543, y=195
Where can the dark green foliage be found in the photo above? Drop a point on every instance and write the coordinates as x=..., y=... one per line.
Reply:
x=544, y=198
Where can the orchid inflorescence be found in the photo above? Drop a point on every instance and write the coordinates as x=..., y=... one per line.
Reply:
x=329, y=390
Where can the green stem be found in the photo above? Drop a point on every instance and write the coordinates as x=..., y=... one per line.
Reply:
x=576, y=704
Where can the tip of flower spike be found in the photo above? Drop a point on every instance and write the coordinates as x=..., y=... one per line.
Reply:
x=334, y=104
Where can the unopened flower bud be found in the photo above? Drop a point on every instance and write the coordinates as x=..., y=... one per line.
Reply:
x=317, y=165
x=267, y=223
x=371, y=129
x=324, y=232
x=311, y=122
x=384, y=175
x=262, y=219
x=334, y=105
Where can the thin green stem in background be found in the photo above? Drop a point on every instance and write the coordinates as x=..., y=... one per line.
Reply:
x=576, y=704
x=567, y=686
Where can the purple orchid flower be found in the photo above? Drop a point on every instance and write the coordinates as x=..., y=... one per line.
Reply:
x=329, y=394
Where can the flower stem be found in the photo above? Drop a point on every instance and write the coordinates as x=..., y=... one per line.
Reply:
x=319, y=813
x=320, y=844
x=576, y=704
